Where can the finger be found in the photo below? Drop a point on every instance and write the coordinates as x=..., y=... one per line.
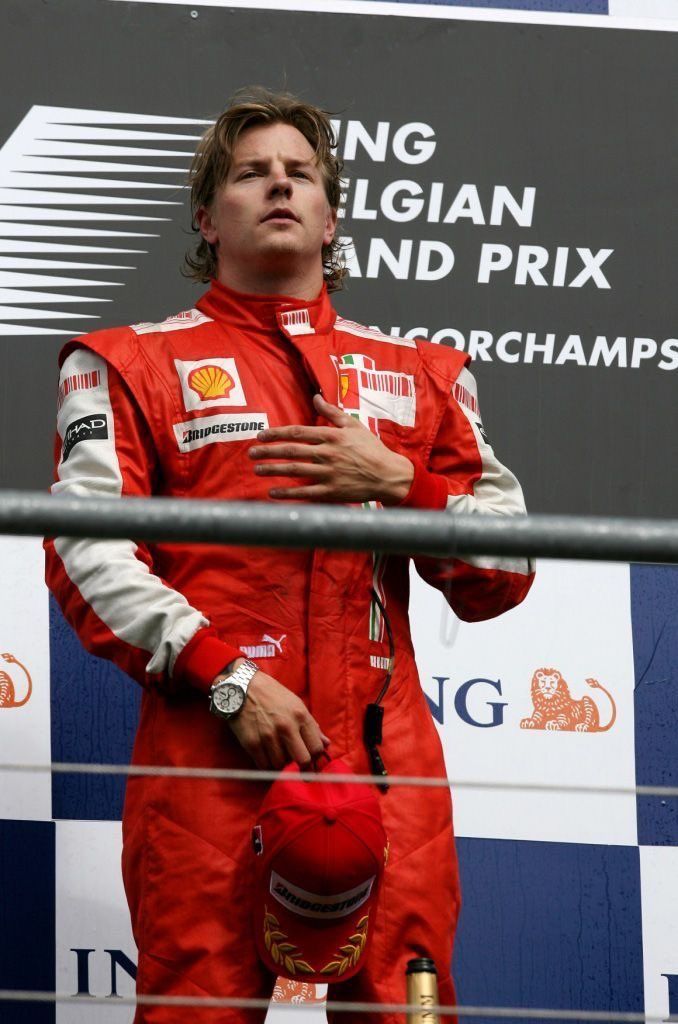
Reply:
x=296, y=432
x=297, y=749
x=293, y=469
x=331, y=412
x=313, y=492
x=312, y=737
x=326, y=740
x=260, y=759
x=286, y=451
x=275, y=753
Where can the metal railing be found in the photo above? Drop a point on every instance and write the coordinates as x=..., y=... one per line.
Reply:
x=414, y=532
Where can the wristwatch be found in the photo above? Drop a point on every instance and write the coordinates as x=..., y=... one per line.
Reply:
x=228, y=695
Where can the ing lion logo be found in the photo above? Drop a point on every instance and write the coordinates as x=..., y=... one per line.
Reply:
x=7, y=688
x=556, y=710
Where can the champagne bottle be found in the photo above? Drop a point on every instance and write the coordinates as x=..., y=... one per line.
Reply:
x=422, y=990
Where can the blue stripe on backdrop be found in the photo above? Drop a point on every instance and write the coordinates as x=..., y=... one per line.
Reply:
x=95, y=708
x=555, y=6
x=654, y=613
x=27, y=917
x=510, y=951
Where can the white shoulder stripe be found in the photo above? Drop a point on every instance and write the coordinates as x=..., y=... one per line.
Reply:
x=178, y=322
x=359, y=331
x=137, y=606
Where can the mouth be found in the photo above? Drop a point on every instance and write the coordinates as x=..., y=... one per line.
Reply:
x=280, y=213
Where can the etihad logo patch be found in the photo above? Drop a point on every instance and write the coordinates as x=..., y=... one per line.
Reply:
x=209, y=382
x=235, y=426
x=87, y=428
x=309, y=904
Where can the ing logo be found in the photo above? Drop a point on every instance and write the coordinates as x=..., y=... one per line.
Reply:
x=9, y=684
x=555, y=709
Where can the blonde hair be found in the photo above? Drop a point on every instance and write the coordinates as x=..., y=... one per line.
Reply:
x=213, y=157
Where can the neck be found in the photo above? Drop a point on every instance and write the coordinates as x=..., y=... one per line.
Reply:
x=296, y=285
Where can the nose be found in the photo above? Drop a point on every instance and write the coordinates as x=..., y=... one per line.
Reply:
x=281, y=183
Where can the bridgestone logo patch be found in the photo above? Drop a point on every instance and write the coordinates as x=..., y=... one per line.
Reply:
x=87, y=428
x=309, y=904
x=241, y=426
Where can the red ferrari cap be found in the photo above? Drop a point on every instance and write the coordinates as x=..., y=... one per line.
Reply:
x=321, y=850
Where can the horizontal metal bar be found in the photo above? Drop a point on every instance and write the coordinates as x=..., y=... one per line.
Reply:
x=338, y=527
x=336, y=778
x=339, y=1006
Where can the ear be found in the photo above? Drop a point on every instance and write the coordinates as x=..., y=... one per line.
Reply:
x=206, y=225
x=330, y=226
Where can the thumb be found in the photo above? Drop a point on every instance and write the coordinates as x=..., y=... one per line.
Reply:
x=331, y=412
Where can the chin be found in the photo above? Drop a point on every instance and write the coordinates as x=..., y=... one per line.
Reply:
x=283, y=249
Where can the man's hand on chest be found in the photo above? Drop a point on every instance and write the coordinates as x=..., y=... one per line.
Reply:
x=344, y=462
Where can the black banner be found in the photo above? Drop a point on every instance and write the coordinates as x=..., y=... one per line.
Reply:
x=510, y=190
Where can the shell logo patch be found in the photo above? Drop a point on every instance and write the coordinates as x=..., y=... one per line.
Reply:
x=209, y=382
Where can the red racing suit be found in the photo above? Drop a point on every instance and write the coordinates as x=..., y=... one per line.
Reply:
x=172, y=409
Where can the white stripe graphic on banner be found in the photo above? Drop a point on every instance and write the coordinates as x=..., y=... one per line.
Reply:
x=59, y=158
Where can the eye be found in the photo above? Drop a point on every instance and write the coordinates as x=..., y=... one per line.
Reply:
x=300, y=174
x=246, y=174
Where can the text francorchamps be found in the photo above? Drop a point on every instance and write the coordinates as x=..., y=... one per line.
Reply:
x=552, y=348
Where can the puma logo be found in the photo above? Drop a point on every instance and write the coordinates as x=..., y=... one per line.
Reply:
x=276, y=643
x=268, y=647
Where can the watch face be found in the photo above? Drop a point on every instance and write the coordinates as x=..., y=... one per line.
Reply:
x=229, y=699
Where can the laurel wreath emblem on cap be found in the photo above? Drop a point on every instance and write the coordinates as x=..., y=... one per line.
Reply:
x=283, y=952
x=352, y=951
x=286, y=954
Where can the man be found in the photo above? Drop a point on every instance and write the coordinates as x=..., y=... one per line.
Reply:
x=262, y=393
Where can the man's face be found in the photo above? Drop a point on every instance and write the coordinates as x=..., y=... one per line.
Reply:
x=271, y=215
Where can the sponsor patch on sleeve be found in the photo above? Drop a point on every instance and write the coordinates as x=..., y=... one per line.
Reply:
x=237, y=426
x=466, y=393
x=87, y=428
x=88, y=380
